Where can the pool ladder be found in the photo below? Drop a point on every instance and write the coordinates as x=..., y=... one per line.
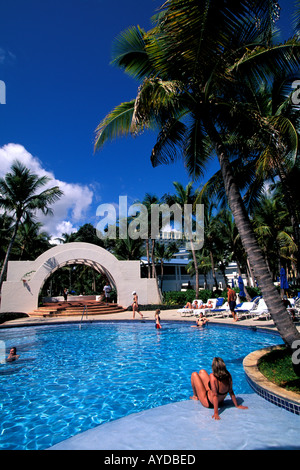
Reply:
x=85, y=310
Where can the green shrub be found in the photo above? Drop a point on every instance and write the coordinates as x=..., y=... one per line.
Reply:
x=7, y=316
x=181, y=298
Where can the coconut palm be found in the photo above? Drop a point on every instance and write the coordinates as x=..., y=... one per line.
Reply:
x=190, y=65
x=31, y=240
x=164, y=252
x=148, y=200
x=272, y=226
x=183, y=196
x=19, y=196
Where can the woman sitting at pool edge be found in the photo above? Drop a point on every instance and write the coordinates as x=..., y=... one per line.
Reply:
x=212, y=389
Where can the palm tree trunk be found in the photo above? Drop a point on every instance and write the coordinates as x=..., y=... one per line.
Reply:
x=153, y=260
x=196, y=273
x=5, y=262
x=213, y=269
x=279, y=314
x=148, y=258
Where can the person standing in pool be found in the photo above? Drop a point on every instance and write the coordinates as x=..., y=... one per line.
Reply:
x=157, y=319
x=212, y=389
x=135, y=304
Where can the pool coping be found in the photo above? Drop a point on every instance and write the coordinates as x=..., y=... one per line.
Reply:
x=288, y=400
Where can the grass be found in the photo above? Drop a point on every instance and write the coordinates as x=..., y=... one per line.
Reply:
x=277, y=367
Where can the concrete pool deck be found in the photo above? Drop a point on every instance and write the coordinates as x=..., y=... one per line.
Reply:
x=187, y=425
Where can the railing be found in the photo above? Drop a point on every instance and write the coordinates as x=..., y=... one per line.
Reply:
x=85, y=310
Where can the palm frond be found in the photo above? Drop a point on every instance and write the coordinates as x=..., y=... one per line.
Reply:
x=129, y=52
x=168, y=146
x=117, y=123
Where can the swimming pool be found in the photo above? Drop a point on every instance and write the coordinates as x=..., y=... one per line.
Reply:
x=69, y=379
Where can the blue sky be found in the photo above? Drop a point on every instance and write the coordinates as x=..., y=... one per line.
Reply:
x=55, y=62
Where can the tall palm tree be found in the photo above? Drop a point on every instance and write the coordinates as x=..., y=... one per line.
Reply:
x=148, y=200
x=190, y=64
x=19, y=196
x=183, y=196
x=164, y=253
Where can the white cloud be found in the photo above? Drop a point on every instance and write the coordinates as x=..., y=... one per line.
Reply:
x=70, y=210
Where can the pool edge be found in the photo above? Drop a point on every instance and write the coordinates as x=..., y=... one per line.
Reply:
x=290, y=401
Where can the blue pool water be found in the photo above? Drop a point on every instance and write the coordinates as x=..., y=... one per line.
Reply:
x=68, y=379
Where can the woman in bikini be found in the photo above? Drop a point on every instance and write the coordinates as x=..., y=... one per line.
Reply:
x=157, y=319
x=212, y=389
x=135, y=305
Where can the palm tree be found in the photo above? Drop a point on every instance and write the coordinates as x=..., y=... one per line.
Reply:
x=148, y=200
x=183, y=196
x=6, y=229
x=272, y=226
x=203, y=265
x=163, y=253
x=18, y=196
x=30, y=241
x=190, y=64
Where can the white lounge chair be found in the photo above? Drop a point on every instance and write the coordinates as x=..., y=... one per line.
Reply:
x=295, y=308
x=247, y=309
x=221, y=308
x=262, y=311
x=190, y=311
x=206, y=311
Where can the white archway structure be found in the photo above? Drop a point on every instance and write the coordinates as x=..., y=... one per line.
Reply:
x=25, y=278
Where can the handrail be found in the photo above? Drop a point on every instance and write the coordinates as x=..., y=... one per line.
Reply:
x=85, y=309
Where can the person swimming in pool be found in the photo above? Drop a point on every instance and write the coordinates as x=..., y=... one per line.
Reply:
x=212, y=389
x=13, y=356
x=201, y=321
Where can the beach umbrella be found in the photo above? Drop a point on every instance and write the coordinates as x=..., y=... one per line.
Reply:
x=283, y=280
x=241, y=287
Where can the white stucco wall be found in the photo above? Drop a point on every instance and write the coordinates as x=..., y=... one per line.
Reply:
x=22, y=296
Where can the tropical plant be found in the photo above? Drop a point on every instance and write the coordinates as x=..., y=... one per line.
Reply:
x=190, y=64
x=19, y=196
x=183, y=196
x=164, y=252
x=274, y=232
x=30, y=241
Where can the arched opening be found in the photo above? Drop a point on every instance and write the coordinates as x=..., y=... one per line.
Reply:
x=81, y=277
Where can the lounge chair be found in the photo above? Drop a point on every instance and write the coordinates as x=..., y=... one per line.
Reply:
x=262, y=311
x=221, y=308
x=206, y=310
x=295, y=308
x=247, y=309
x=190, y=311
